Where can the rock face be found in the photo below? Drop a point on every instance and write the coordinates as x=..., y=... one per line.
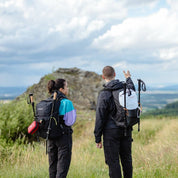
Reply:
x=83, y=87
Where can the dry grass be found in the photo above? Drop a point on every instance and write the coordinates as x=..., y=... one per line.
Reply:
x=155, y=152
x=159, y=157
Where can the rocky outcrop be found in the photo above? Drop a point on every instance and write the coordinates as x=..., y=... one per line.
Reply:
x=83, y=86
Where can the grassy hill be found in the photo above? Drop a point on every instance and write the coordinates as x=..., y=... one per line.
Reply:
x=83, y=86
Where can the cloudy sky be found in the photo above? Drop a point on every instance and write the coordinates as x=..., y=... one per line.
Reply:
x=39, y=36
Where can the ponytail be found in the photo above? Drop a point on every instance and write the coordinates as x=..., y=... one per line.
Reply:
x=51, y=86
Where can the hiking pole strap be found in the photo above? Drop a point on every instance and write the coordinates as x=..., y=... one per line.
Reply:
x=143, y=86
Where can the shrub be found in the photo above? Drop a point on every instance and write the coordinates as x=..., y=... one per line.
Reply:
x=15, y=117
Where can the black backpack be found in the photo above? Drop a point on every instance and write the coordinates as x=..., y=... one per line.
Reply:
x=51, y=125
x=47, y=122
x=127, y=112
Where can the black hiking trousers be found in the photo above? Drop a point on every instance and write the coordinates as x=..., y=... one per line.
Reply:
x=59, y=154
x=117, y=148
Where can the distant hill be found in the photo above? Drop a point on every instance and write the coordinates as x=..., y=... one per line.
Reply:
x=171, y=88
x=83, y=86
x=165, y=88
x=169, y=110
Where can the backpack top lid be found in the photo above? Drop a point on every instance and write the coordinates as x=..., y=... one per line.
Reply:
x=44, y=107
x=131, y=99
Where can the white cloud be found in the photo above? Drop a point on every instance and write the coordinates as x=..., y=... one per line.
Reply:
x=78, y=28
x=40, y=35
x=45, y=25
x=68, y=20
x=168, y=53
x=155, y=32
x=141, y=3
x=173, y=4
x=158, y=73
x=159, y=66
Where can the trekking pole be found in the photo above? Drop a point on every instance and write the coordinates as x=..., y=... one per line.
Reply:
x=141, y=86
x=30, y=101
x=33, y=104
x=49, y=126
x=125, y=111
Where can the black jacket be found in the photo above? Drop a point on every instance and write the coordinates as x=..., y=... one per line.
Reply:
x=106, y=107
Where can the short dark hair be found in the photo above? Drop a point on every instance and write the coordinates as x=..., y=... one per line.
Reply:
x=55, y=85
x=108, y=72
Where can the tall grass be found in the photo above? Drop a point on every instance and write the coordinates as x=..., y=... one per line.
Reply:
x=155, y=152
x=25, y=162
x=157, y=156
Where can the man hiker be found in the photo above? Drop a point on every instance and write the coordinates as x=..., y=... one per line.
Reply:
x=117, y=140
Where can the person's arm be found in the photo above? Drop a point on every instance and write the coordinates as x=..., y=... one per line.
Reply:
x=101, y=116
x=68, y=111
x=129, y=82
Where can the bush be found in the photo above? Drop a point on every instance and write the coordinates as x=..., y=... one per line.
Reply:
x=15, y=117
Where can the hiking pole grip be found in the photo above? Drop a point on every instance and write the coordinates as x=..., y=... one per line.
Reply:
x=55, y=96
x=31, y=97
x=32, y=103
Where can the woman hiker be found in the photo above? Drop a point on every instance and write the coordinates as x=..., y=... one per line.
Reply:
x=60, y=149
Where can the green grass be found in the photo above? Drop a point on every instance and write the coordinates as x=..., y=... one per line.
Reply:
x=49, y=77
x=155, y=152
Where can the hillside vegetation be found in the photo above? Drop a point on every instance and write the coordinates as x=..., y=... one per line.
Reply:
x=154, y=152
x=169, y=110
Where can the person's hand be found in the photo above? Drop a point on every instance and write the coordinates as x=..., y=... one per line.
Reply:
x=99, y=145
x=127, y=75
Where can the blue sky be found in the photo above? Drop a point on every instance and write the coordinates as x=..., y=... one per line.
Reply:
x=40, y=36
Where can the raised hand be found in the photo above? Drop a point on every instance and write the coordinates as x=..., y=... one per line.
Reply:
x=127, y=75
